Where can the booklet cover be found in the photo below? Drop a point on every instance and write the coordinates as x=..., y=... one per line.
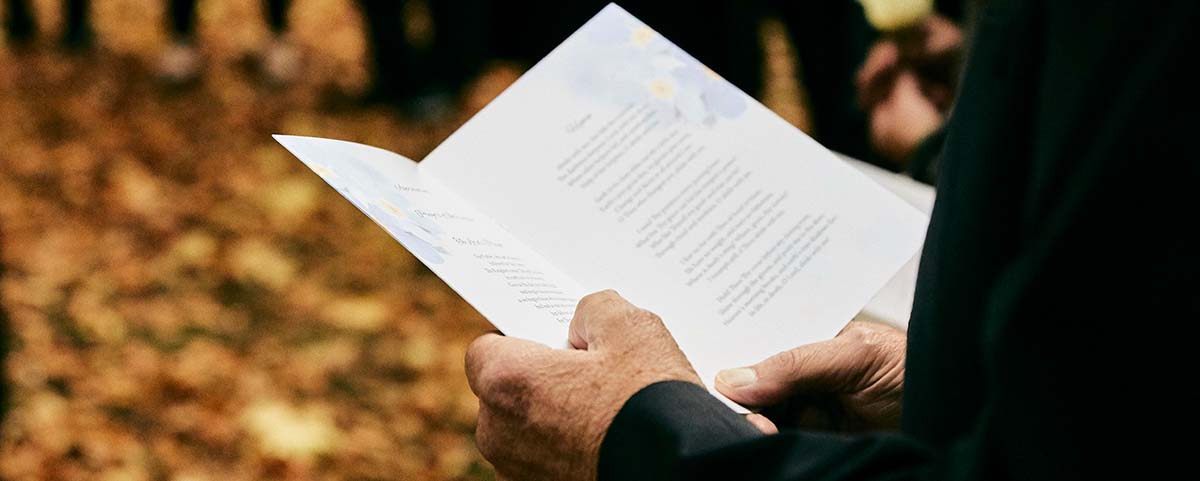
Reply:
x=621, y=162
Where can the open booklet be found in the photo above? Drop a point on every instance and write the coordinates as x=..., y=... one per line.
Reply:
x=621, y=162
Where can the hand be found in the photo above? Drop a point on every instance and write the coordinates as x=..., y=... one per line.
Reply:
x=907, y=85
x=933, y=50
x=543, y=412
x=903, y=119
x=859, y=374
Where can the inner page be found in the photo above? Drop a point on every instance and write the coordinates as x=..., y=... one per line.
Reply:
x=629, y=165
x=514, y=287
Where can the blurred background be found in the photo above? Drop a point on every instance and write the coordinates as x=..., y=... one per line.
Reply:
x=187, y=302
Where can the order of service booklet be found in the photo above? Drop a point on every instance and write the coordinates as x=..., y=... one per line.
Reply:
x=621, y=162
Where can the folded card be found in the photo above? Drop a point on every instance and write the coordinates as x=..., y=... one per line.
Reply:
x=620, y=162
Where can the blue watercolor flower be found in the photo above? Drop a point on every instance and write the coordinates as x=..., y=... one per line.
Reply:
x=415, y=233
x=621, y=60
x=372, y=192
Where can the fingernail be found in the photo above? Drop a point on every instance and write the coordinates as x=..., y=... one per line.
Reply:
x=740, y=377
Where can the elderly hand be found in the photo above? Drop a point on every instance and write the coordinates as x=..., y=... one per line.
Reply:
x=543, y=412
x=858, y=375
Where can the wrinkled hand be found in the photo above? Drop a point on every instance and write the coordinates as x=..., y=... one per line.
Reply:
x=543, y=412
x=858, y=375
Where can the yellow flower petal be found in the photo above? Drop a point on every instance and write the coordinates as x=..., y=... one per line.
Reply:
x=896, y=14
x=641, y=36
x=662, y=89
x=396, y=211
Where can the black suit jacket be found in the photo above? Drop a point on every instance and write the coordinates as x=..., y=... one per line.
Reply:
x=1053, y=326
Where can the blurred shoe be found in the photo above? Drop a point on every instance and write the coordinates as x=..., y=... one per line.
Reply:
x=180, y=63
x=280, y=62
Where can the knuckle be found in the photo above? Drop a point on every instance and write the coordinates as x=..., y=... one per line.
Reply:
x=476, y=359
x=650, y=323
x=486, y=372
x=872, y=338
x=485, y=438
x=597, y=299
x=472, y=357
x=604, y=307
x=792, y=360
x=506, y=387
x=503, y=376
x=857, y=330
x=650, y=317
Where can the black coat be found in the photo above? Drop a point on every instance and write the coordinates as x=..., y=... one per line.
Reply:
x=1058, y=293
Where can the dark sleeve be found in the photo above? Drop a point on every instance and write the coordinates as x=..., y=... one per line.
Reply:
x=661, y=418
x=678, y=431
x=923, y=162
x=1088, y=331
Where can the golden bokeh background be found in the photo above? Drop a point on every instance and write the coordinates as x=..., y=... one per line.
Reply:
x=187, y=301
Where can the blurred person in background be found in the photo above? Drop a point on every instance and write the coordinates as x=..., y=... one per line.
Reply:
x=908, y=80
x=880, y=75
x=181, y=62
x=77, y=31
x=424, y=69
x=1053, y=318
x=423, y=54
x=849, y=63
x=721, y=34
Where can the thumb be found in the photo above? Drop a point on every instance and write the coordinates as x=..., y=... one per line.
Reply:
x=762, y=423
x=821, y=368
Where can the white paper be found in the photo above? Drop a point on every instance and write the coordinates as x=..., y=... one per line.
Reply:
x=500, y=276
x=620, y=162
x=893, y=303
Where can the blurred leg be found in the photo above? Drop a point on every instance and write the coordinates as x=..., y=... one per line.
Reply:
x=77, y=33
x=391, y=58
x=832, y=39
x=724, y=37
x=180, y=63
x=182, y=19
x=18, y=23
x=280, y=60
x=458, y=49
x=526, y=30
x=277, y=15
x=720, y=33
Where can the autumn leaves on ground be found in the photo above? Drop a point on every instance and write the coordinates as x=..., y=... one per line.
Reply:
x=187, y=301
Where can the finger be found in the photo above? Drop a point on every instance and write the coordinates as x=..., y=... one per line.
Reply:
x=485, y=435
x=823, y=367
x=903, y=95
x=874, y=78
x=492, y=359
x=907, y=86
x=597, y=314
x=942, y=36
x=882, y=57
x=762, y=423
x=903, y=119
x=494, y=440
